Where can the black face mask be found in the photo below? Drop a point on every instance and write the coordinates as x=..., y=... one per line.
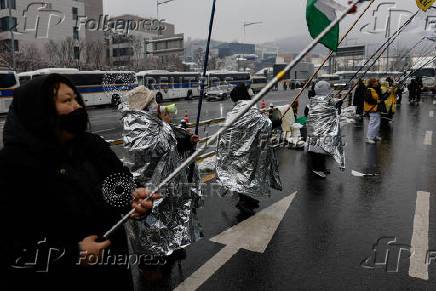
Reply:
x=74, y=122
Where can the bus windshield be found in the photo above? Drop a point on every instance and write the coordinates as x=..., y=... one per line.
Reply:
x=259, y=80
x=428, y=72
x=7, y=80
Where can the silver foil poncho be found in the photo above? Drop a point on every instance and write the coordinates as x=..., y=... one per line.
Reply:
x=323, y=125
x=150, y=152
x=246, y=162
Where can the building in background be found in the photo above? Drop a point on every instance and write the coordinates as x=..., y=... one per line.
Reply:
x=229, y=49
x=46, y=33
x=151, y=45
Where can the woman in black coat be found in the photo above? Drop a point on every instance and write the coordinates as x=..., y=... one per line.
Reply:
x=51, y=203
x=359, y=98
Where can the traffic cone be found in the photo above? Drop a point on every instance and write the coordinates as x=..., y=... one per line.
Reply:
x=263, y=105
x=186, y=116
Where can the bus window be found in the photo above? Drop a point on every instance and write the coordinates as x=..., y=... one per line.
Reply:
x=24, y=80
x=7, y=80
x=141, y=81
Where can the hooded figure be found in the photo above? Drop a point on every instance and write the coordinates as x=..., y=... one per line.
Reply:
x=323, y=127
x=359, y=99
x=246, y=162
x=150, y=152
x=51, y=192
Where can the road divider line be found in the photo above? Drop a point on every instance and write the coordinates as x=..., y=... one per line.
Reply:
x=431, y=114
x=428, y=141
x=105, y=130
x=418, y=260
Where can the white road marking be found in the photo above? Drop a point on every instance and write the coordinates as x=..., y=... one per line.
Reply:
x=431, y=114
x=105, y=130
x=418, y=265
x=428, y=138
x=434, y=102
x=253, y=234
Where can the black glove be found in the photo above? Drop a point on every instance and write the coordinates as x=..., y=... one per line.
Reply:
x=339, y=104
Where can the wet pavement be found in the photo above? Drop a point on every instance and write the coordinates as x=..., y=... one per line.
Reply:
x=341, y=233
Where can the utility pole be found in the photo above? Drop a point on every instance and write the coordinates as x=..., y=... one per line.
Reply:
x=388, y=35
x=14, y=64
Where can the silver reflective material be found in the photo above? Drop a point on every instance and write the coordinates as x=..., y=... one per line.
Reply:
x=323, y=125
x=246, y=162
x=150, y=152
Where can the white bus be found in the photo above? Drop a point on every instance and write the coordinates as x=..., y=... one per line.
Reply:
x=428, y=75
x=8, y=82
x=25, y=77
x=258, y=83
x=97, y=87
x=330, y=78
x=217, y=78
x=170, y=85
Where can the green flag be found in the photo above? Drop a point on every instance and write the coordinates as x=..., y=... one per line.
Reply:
x=319, y=15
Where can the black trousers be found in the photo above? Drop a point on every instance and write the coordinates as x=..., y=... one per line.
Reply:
x=317, y=161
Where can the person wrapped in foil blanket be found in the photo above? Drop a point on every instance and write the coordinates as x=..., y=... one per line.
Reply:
x=151, y=154
x=323, y=129
x=246, y=162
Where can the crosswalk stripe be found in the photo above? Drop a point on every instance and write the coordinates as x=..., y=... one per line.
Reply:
x=418, y=261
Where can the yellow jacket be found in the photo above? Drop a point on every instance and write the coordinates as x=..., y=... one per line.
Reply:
x=373, y=105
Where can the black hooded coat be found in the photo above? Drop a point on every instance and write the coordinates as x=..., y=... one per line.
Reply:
x=51, y=199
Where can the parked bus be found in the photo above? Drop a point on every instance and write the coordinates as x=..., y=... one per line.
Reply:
x=8, y=82
x=428, y=75
x=170, y=85
x=330, y=78
x=97, y=87
x=218, y=78
x=25, y=77
x=258, y=83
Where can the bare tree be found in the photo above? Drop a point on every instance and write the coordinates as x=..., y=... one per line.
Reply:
x=5, y=54
x=52, y=50
x=66, y=52
x=98, y=54
x=136, y=47
x=29, y=58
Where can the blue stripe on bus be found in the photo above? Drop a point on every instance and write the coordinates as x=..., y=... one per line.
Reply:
x=173, y=86
x=6, y=93
x=104, y=88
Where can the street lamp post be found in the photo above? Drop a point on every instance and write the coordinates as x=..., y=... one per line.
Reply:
x=249, y=24
x=158, y=3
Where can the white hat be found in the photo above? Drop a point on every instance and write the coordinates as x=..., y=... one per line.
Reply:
x=139, y=97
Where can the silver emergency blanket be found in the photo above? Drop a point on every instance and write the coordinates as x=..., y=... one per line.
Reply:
x=150, y=152
x=323, y=125
x=246, y=162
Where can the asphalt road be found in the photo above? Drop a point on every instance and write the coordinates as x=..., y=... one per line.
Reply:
x=342, y=233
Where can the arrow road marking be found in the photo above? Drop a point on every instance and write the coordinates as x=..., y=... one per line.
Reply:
x=428, y=138
x=253, y=234
x=418, y=262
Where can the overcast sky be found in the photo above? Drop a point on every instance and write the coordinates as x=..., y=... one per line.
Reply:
x=281, y=18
